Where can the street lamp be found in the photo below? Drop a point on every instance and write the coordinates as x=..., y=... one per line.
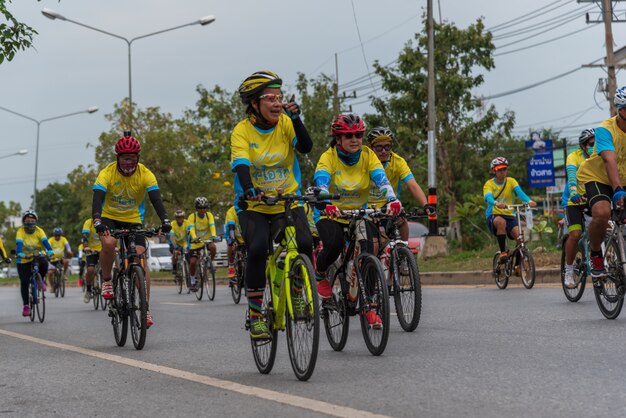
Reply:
x=20, y=152
x=39, y=122
x=51, y=14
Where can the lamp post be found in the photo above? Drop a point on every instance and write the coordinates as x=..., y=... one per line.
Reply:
x=20, y=152
x=39, y=122
x=51, y=14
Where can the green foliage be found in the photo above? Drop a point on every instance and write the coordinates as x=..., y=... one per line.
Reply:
x=58, y=206
x=14, y=35
x=6, y=229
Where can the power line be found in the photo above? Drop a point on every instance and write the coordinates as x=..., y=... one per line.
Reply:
x=545, y=42
x=358, y=31
x=551, y=21
x=358, y=80
x=530, y=125
x=521, y=19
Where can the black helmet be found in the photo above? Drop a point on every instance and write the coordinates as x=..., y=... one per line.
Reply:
x=585, y=136
x=255, y=83
x=381, y=133
x=201, y=202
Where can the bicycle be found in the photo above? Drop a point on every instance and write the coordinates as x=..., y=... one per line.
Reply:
x=241, y=263
x=520, y=256
x=582, y=263
x=206, y=271
x=96, y=288
x=59, y=279
x=367, y=290
x=181, y=274
x=403, y=278
x=290, y=300
x=36, y=295
x=130, y=299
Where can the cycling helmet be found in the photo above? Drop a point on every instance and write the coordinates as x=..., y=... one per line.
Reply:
x=378, y=134
x=179, y=213
x=127, y=145
x=57, y=231
x=498, y=163
x=30, y=213
x=201, y=202
x=585, y=136
x=620, y=97
x=254, y=84
x=346, y=124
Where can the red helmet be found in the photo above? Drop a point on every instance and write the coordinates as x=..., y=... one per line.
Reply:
x=347, y=123
x=127, y=145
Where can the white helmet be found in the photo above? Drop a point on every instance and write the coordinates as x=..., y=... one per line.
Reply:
x=499, y=161
x=620, y=98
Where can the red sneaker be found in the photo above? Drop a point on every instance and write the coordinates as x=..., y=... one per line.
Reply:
x=374, y=320
x=231, y=271
x=149, y=321
x=26, y=310
x=107, y=290
x=324, y=289
x=80, y=282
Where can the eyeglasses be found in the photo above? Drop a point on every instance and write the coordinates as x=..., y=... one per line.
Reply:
x=272, y=98
x=202, y=207
x=351, y=135
x=379, y=148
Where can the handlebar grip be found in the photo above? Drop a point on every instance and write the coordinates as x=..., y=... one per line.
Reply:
x=329, y=196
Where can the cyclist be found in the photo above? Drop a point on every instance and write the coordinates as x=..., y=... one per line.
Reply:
x=3, y=253
x=200, y=226
x=604, y=174
x=575, y=203
x=348, y=168
x=82, y=261
x=499, y=192
x=62, y=251
x=233, y=238
x=91, y=247
x=397, y=171
x=118, y=195
x=29, y=240
x=263, y=160
x=177, y=237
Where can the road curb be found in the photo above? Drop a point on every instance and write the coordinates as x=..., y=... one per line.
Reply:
x=454, y=278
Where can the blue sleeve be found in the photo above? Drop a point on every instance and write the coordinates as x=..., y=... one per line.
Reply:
x=19, y=244
x=565, y=197
x=489, y=198
x=322, y=180
x=407, y=178
x=46, y=244
x=379, y=178
x=520, y=193
x=571, y=176
x=604, y=140
x=239, y=161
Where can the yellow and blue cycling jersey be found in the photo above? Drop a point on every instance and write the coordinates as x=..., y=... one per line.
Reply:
x=124, y=195
x=202, y=228
x=506, y=192
x=3, y=252
x=178, y=235
x=93, y=239
x=609, y=137
x=81, y=253
x=572, y=163
x=397, y=172
x=30, y=243
x=351, y=182
x=231, y=218
x=271, y=157
x=59, y=248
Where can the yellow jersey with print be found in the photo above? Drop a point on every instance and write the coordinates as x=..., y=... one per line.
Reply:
x=29, y=244
x=178, y=234
x=609, y=137
x=231, y=218
x=124, y=195
x=58, y=248
x=493, y=192
x=572, y=163
x=397, y=172
x=93, y=239
x=81, y=253
x=202, y=228
x=3, y=252
x=270, y=154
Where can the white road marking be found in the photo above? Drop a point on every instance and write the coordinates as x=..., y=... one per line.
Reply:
x=180, y=303
x=270, y=395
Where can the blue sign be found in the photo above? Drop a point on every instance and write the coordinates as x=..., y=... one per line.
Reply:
x=541, y=165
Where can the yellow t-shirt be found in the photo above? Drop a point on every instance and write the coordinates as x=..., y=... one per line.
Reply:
x=398, y=172
x=507, y=195
x=125, y=194
x=203, y=228
x=81, y=251
x=178, y=234
x=593, y=168
x=31, y=243
x=93, y=239
x=575, y=159
x=58, y=248
x=231, y=218
x=271, y=157
x=3, y=252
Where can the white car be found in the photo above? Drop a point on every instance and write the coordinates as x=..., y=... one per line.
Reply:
x=159, y=257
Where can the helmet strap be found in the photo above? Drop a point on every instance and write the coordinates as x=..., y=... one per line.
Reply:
x=257, y=119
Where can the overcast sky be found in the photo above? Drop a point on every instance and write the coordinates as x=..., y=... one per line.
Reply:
x=72, y=68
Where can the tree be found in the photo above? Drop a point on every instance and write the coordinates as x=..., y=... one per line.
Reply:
x=7, y=229
x=14, y=35
x=58, y=206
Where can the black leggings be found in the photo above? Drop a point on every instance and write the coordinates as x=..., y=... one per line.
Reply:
x=333, y=238
x=256, y=228
x=24, y=271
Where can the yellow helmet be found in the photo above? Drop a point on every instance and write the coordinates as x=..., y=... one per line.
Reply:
x=254, y=84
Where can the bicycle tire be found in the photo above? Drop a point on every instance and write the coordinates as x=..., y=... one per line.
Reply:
x=119, y=317
x=138, y=309
x=179, y=275
x=210, y=280
x=375, y=291
x=62, y=284
x=103, y=302
x=186, y=275
x=498, y=272
x=41, y=300
x=580, y=273
x=57, y=283
x=303, y=332
x=235, y=289
x=407, y=293
x=264, y=351
x=610, y=292
x=200, y=279
x=334, y=312
x=31, y=300
x=95, y=295
x=527, y=269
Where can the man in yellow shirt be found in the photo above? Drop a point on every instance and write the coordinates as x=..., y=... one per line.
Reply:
x=200, y=227
x=91, y=247
x=62, y=252
x=233, y=237
x=177, y=237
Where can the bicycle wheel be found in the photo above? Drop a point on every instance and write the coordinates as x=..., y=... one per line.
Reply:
x=117, y=311
x=95, y=295
x=407, y=294
x=200, y=279
x=235, y=290
x=62, y=283
x=374, y=297
x=303, y=329
x=41, y=300
x=103, y=302
x=580, y=274
x=527, y=268
x=186, y=278
x=179, y=276
x=499, y=272
x=334, y=313
x=57, y=283
x=264, y=351
x=31, y=300
x=138, y=306
x=609, y=291
x=209, y=281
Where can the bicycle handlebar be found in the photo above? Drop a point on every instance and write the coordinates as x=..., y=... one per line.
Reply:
x=308, y=198
x=123, y=232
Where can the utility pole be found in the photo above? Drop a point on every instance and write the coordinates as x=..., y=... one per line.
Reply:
x=336, y=88
x=432, y=151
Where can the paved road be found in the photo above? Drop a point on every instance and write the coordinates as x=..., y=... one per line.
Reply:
x=478, y=352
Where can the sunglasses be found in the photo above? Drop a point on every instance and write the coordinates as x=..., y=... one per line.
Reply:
x=351, y=135
x=272, y=98
x=379, y=148
x=202, y=207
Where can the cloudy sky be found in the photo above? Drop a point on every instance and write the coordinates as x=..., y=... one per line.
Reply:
x=72, y=68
